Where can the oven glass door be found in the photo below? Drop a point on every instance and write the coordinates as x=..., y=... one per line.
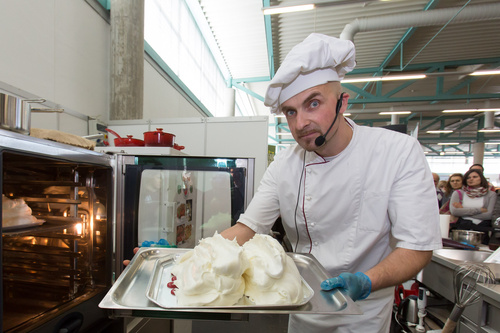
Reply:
x=175, y=201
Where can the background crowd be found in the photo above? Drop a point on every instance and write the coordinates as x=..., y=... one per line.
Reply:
x=470, y=200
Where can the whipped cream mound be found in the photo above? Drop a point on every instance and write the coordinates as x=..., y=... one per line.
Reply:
x=16, y=212
x=211, y=274
x=272, y=277
x=219, y=272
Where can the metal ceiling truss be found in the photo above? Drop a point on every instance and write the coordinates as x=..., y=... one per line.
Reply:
x=365, y=96
x=458, y=122
x=374, y=93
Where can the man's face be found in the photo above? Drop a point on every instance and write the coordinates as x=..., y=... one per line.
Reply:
x=310, y=113
x=436, y=180
x=476, y=167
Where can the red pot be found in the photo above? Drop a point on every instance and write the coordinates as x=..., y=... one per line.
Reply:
x=129, y=141
x=158, y=138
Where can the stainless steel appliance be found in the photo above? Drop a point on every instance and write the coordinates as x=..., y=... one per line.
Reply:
x=91, y=210
x=56, y=270
x=164, y=196
x=15, y=112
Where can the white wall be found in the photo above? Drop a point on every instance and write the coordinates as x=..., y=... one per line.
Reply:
x=59, y=50
x=161, y=100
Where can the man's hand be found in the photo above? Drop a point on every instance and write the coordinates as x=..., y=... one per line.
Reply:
x=126, y=262
x=358, y=286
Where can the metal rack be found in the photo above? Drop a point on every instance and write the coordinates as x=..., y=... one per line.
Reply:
x=55, y=264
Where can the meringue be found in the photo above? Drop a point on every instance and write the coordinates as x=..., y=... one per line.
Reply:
x=219, y=272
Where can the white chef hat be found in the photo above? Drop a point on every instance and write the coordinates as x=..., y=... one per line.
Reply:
x=316, y=60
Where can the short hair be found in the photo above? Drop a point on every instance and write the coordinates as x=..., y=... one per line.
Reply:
x=478, y=165
x=484, y=181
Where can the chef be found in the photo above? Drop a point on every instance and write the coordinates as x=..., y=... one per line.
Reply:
x=360, y=199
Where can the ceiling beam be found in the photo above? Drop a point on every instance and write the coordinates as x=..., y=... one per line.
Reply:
x=440, y=97
x=425, y=66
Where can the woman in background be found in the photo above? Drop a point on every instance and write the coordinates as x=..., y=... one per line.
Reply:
x=454, y=182
x=473, y=205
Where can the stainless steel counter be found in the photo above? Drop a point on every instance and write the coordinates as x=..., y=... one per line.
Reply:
x=438, y=276
x=452, y=258
x=490, y=290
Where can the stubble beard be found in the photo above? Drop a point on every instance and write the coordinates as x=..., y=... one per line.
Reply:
x=308, y=143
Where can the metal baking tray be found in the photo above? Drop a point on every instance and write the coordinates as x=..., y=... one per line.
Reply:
x=128, y=295
x=158, y=291
x=37, y=223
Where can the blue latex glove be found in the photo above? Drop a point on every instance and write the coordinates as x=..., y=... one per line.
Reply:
x=358, y=286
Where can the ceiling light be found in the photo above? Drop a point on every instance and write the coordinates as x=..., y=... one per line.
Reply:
x=492, y=143
x=454, y=153
x=385, y=78
x=347, y=114
x=362, y=79
x=403, y=77
x=490, y=130
x=284, y=133
x=288, y=9
x=415, y=76
x=486, y=72
x=394, y=112
x=448, y=143
x=470, y=110
x=439, y=131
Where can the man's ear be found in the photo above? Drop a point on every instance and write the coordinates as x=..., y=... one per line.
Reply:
x=345, y=100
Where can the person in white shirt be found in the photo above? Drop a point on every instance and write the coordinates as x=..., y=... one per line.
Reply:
x=474, y=204
x=345, y=193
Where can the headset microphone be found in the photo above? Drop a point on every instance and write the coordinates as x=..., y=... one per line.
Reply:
x=320, y=140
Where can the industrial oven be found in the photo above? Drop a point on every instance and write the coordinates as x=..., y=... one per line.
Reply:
x=90, y=209
x=165, y=198
x=54, y=268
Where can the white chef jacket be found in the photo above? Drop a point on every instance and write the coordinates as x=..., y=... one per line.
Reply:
x=352, y=209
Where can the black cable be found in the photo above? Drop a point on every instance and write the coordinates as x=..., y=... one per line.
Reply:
x=298, y=198
x=337, y=107
x=399, y=314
